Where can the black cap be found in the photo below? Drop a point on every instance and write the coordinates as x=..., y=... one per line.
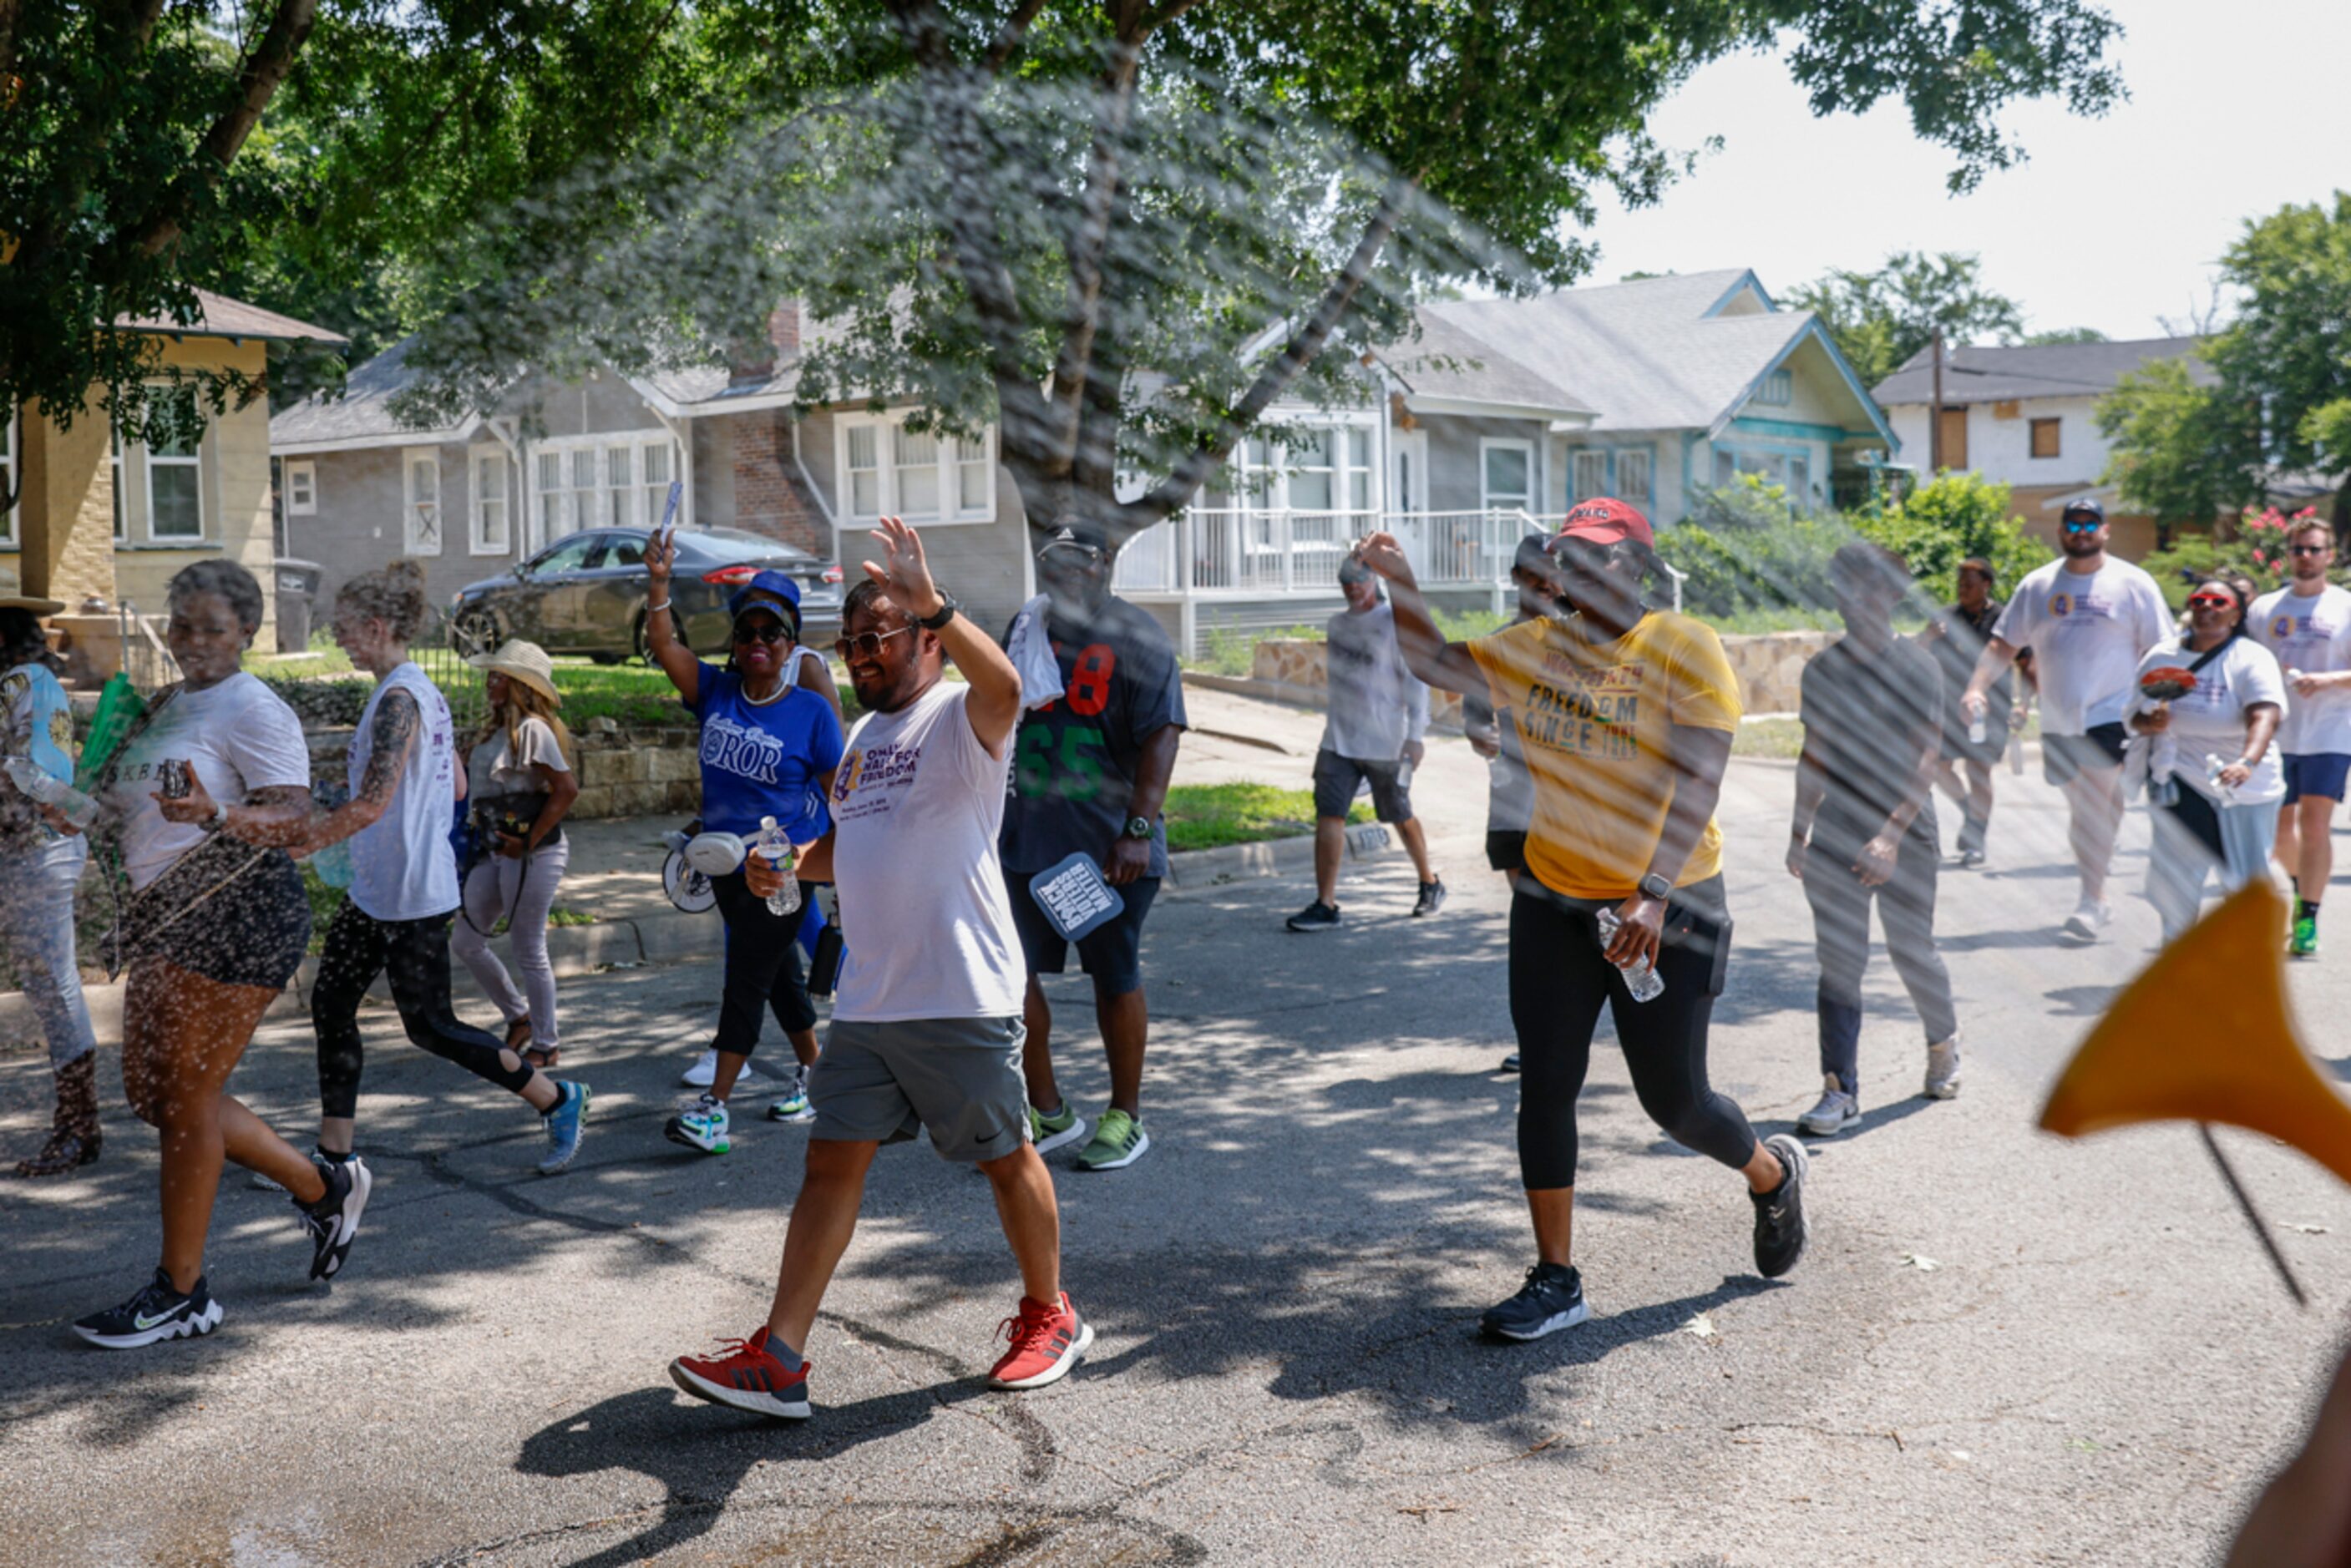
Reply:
x=2088, y=506
x=1084, y=535
x=1533, y=554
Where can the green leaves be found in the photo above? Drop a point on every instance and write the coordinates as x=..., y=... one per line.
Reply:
x=1881, y=319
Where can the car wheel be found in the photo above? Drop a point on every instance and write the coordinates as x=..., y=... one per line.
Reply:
x=606, y=660
x=644, y=646
x=475, y=631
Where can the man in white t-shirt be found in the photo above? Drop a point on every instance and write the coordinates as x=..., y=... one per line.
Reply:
x=2307, y=624
x=926, y=1020
x=2089, y=619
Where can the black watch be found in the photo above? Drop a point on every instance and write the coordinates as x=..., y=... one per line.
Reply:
x=1656, y=886
x=946, y=612
x=1138, y=827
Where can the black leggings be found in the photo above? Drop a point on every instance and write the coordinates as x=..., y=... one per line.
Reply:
x=763, y=967
x=414, y=955
x=1558, y=980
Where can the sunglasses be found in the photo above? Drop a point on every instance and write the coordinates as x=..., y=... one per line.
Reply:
x=2083, y=524
x=2309, y=549
x=2211, y=601
x=866, y=644
x=773, y=631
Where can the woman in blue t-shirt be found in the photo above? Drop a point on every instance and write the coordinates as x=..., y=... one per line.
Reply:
x=771, y=741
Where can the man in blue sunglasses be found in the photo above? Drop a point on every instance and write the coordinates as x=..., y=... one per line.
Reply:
x=2089, y=619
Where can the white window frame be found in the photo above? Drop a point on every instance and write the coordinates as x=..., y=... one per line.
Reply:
x=414, y=466
x=1647, y=461
x=571, y=506
x=1490, y=500
x=654, y=493
x=193, y=463
x=551, y=499
x=478, y=538
x=1777, y=390
x=301, y=488
x=1582, y=461
x=9, y=469
x=952, y=454
x=121, y=500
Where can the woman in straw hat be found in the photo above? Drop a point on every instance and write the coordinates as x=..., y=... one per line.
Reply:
x=520, y=784
x=40, y=867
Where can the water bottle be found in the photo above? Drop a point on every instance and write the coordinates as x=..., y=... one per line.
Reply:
x=2214, y=766
x=777, y=850
x=1979, y=729
x=77, y=807
x=1640, y=977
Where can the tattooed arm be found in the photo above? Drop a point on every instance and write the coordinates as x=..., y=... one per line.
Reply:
x=390, y=735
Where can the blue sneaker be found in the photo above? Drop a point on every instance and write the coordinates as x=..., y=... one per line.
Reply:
x=565, y=1123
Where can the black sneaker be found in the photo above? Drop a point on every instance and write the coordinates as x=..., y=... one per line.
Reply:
x=334, y=1220
x=157, y=1311
x=1780, y=1229
x=1317, y=916
x=1510, y=1063
x=1432, y=898
x=1551, y=1300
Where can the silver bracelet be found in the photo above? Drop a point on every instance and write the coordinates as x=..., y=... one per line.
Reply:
x=662, y=605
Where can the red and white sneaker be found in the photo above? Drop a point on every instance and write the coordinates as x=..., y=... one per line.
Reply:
x=1047, y=1341
x=744, y=1376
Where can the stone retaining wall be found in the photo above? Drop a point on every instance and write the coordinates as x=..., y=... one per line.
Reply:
x=622, y=773
x=1769, y=667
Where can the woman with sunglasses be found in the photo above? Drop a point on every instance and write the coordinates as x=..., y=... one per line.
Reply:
x=2211, y=693
x=770, y=739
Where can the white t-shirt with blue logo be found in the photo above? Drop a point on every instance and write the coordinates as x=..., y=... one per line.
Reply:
x=2087, y=633
x=764, y=759
x=2312, y=633
x=2210, y=721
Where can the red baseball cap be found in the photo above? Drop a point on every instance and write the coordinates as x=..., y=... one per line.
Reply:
x=1604, y=520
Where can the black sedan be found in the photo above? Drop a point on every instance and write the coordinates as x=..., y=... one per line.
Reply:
x=587, y=592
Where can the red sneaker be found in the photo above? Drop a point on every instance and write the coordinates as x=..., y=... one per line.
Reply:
x=744, y=1376
x=1047, y=1341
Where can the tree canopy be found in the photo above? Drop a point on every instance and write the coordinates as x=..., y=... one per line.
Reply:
x=1879, y=319
x=1122, y=229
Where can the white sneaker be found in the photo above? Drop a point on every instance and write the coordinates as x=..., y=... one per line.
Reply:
x=702, y=1125
x=1943, y=1069
x=2088, y=919
x=1836, y=1111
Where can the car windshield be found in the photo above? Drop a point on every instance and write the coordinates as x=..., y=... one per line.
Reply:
x=568, y=556
x=735, y=545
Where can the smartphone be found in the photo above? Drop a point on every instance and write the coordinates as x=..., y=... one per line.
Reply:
x=173, y=774
x=668, y=529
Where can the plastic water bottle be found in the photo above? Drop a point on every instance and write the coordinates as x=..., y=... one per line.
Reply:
x=2214, y=766
x=77, y=807
x=777, y=850
x=1640, y=977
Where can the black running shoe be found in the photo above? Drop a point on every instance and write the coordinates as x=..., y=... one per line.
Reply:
x=157, y=1311
x=1510, y=1063
x=1431, y=899
x=1780, y=1229
x=334, y=1220
x=1551, y=1300
x=1317, y=916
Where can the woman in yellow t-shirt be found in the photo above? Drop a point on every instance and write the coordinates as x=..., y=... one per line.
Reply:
x=1624, y=715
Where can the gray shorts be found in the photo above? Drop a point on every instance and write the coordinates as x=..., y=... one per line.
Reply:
x=960, y=1077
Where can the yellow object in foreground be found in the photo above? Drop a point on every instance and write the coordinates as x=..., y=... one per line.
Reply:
x=2204, y=1034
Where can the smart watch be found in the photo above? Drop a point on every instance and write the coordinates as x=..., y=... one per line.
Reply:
x=1656, y=886
x=946, y=612
x=1138, y=827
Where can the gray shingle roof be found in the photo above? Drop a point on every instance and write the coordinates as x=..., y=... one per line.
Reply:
x=2001, y=374
x=364, y=409
x=1450, y=360
x=221, y=316
x=1642, y=355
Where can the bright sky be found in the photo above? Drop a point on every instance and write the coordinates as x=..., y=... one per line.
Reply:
x=2112, y=224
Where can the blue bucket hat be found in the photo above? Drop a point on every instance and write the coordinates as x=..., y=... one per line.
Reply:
x=771, y=590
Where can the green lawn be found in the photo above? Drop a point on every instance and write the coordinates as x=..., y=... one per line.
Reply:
x=1204, y=816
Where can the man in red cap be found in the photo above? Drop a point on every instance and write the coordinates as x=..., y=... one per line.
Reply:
x=1625, y=714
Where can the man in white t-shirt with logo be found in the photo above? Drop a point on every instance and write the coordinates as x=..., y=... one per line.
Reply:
x=2089, y=619
x=926, y=1018
x=2307, y=624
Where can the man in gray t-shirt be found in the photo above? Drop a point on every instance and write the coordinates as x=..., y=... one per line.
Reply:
x=1378, y=717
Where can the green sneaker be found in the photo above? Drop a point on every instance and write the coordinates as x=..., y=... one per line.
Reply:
x=2306, y=937
x=1119, y=1140
x=1050, y=1133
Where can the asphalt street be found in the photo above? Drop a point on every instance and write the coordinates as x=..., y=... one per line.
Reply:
x=2001, y=1348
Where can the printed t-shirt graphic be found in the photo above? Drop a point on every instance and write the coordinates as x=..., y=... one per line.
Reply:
x=2313, y=634
x=917, y=805
x=1075, y=760
x=2088, y=632
x=1593, y=725
x=764, y=759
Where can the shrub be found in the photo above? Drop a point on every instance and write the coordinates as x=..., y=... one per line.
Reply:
x=2259, y=551
x=1940, y=524
x=1748, y=549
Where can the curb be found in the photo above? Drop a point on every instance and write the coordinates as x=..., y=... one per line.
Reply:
x=1269, y=858
x=1314, y=697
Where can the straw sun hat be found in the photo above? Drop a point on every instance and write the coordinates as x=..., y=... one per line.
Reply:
x=38, y=606
x=523, y=661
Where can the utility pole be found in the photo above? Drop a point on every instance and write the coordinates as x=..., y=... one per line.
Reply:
x=1935, y=430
